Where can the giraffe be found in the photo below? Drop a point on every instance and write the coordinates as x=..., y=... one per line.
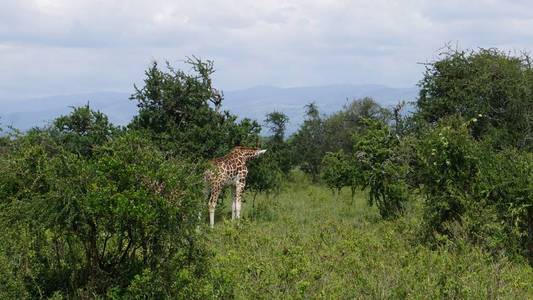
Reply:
x=229, y=169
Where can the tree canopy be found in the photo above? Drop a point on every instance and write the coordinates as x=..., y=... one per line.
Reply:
x=181, y=111
x=490, y=85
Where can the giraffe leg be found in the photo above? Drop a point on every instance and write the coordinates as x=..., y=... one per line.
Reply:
x=207, y=195
x=238, y=209
x=238, y=197
x=234, y=207
x=212, y=205
x=211, y=216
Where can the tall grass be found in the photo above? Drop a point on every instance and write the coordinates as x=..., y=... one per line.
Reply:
x=308, y=243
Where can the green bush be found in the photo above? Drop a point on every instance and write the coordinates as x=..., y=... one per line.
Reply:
x=341, y=125
x=182, y=114
x=474, y=191
x=308, y=143
x=12, y=286
x=448, y=167
x=264, y=177
x=382, y=168
x=82, y=130
x=338, y=171
x=490, y=82
x=505, y=187
x=79, y=226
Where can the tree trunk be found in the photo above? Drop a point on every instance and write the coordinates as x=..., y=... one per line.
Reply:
x=91, y=254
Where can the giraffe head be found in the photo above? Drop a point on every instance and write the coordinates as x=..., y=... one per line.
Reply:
x=248, y=152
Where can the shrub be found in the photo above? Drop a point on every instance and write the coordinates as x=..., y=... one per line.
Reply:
x=308, y=143
x=11, y=285
x=448, y=167
x=338, y=171
x=80, y=226
x=505, y=186
x=489, y=82
x=264, y=177
x=474, y=191
x=181, y=112
x=381, y=168
x=82, y=130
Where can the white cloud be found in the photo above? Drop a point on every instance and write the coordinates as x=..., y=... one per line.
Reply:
x=65, y=46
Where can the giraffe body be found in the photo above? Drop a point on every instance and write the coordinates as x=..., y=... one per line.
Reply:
x=228, y=170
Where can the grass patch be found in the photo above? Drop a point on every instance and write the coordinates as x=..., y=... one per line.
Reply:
x=308, y=243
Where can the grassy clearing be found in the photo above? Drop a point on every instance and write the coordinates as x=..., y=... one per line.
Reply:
x=307, y=243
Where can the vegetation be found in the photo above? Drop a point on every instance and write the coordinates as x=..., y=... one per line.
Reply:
x=487, y=83
x=92, y=210
x=339, y=171
x=485, y=194
x=304, y=244
x=90, y=226
x=461, y=168
x=267, y=174
x=308, y=142
x=176, y=109
x=340, y=126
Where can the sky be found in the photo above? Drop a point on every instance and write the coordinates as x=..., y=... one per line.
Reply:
x=50, y=47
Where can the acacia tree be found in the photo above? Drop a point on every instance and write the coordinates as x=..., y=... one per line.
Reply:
x=264, y=177
x=339, y=171
x=488, y=84
x=181, y=111
x=308, y=143
x=380, y=166
x=340, y=126
x=82, y=130
x=280, y=153
x=277, y=123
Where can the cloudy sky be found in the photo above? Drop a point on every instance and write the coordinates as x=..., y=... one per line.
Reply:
x=52, y=47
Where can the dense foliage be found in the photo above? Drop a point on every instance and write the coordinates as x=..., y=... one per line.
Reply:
x=340, y=126
x=320, y=135
x=279, y=149
x=268, y=173
x=377, y=163
x=468, y=186
x=181, y=112
x=474, y=157
x=465, y=151
x=124, y=219
x=310, y=246
x=382, y=168
x=308, y=142
x=82, y=130
x=488, y=82
x=338, y=171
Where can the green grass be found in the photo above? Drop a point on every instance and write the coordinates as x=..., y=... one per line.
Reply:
x=307, y=243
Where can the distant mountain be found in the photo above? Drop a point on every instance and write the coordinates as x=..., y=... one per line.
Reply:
x=253, y=103
x=256, y=102
x=27, y=113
